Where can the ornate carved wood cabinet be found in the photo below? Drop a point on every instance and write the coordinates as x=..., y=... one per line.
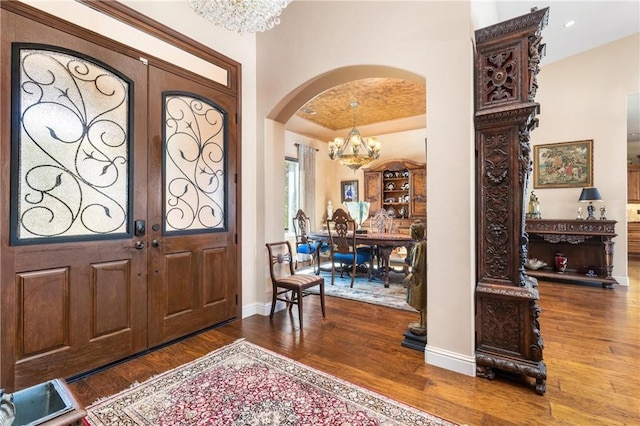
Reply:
x=398, y=185
x=507, y=330
x=587, y=244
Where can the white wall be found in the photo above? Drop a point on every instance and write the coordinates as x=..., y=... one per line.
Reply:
x=585, y=97
x=317, y=37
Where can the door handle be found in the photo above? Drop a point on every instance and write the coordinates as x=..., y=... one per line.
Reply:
x=139, y=245
x=158, y=243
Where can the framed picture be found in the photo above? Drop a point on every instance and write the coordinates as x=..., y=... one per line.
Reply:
x=349, y=190
x=563, y=165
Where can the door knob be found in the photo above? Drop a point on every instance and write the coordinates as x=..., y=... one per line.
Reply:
x=156, y=243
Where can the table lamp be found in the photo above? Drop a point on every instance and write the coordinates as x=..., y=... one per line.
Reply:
x=590, y=194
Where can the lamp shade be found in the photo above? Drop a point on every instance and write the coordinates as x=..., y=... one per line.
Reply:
x=590, y=194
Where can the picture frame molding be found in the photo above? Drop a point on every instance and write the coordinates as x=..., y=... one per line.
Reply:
x=541, y=180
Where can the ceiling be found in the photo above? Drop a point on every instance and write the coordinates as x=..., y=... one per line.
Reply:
x=394, y=105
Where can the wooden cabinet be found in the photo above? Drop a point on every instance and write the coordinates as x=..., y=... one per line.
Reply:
x=508, y=334
x=634, y=238
x=633, y=184
x=398, y=186
x=587, y=244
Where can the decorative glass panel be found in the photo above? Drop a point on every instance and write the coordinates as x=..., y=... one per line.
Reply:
x=194, y=161
x=71, y=138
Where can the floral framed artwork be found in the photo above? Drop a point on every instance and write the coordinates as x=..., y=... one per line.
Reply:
x=349, y=190
x=563, y=165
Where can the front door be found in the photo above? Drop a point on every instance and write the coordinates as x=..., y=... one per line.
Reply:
x=192, y=198
x=119, y=233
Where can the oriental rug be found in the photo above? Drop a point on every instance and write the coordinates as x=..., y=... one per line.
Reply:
x=374, y=292
x=244, y=384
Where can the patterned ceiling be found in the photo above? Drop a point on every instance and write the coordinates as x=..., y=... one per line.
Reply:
x=379, y=100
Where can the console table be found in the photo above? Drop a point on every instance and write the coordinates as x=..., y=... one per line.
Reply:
x=587, y=244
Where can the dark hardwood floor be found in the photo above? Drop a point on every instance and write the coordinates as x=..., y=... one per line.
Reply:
x=591, y=349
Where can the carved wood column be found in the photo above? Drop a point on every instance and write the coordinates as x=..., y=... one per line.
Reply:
x=507, y=330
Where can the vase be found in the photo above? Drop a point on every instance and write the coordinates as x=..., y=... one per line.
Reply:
x=560, y=262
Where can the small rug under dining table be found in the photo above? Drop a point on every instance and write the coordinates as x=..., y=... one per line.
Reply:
x=365, y=290
x=244, y=384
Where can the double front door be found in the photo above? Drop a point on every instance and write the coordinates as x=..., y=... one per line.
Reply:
x=119, y=233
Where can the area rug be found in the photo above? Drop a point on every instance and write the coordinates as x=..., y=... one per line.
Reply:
x=244, y=384
x=374, y=292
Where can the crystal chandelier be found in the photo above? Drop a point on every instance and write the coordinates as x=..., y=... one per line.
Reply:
x=356, y=151
x=248, y=16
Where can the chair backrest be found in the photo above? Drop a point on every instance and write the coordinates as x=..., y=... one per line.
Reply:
x=301, y=225
x=382, y=222
x=280, y=260
x=342, y=235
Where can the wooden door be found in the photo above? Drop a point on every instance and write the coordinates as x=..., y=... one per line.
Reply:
x=418, y=194
x=74, y=290
x=192, y=199
x=98, y=262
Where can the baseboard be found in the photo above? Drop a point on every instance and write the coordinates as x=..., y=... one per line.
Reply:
x=450, y=360
x=623, y=281
x=263, y=309
x=250, y=310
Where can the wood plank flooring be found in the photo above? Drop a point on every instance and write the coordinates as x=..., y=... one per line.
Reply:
x=591, y=349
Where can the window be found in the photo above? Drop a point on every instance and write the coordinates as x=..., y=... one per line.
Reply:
x=291, y=196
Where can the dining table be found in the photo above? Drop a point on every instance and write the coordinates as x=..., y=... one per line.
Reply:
x=384, y=242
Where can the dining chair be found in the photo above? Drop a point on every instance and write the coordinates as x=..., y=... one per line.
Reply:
x=285, y=280
x=304, y=244
x=343, y=247
x=382, y=222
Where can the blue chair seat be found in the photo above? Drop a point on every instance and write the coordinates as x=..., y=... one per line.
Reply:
x=311, y=248
x=362, y=256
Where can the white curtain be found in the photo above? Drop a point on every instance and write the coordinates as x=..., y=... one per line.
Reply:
x=307, y=167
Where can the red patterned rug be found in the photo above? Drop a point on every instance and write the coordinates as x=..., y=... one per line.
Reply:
x=244, y=384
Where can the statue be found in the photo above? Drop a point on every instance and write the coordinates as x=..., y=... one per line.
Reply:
x=533, y=212
x=416, y=281
x=7, y=409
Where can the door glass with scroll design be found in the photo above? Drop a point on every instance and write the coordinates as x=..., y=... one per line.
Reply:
x=74, y=276
x=70, y=148
x=194, y=162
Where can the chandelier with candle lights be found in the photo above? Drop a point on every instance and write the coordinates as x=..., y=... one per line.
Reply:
x=354, y=151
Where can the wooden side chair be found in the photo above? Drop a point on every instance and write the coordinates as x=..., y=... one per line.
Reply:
x=382, y=222
x=285, y=280
x=343, y=247
x=305, y=245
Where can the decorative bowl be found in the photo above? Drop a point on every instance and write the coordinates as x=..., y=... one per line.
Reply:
x=535, y=264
